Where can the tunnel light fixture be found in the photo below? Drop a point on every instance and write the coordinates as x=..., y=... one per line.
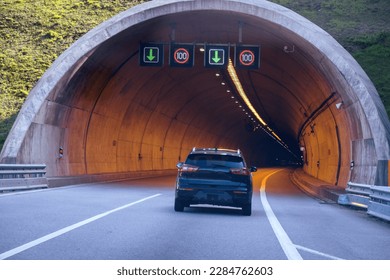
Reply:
x=288, y=49
x=338, y=105
x=276, y=136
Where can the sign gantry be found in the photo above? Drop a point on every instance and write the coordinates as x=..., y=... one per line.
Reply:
x=215, y=55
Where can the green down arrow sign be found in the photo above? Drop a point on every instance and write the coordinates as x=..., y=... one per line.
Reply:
x=151, y=57
x=216, y=55
x=151, y=54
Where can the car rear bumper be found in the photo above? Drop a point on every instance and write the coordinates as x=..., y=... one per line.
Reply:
x=214, y=195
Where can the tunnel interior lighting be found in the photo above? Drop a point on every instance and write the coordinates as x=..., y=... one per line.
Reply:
x=236, y=81
x=240, y=90
x=249, y=110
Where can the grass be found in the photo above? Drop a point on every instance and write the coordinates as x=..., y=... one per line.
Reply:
x=34, y=33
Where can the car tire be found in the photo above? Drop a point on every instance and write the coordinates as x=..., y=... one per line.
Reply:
x=247, y=209
x=179, y=206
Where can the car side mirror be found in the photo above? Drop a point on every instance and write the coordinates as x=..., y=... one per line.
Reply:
x=179, y=165
x=253, y=169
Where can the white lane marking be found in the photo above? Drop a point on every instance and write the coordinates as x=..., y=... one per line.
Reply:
x=57, y=233
x=288, y=247
x=317, y=253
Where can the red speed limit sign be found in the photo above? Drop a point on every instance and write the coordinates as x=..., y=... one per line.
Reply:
x=181, y=55
x=248, y=57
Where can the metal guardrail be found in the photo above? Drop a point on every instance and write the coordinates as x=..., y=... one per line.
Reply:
x=380, y=202
x=14, y=177
x=375, y=199
x=358, y=195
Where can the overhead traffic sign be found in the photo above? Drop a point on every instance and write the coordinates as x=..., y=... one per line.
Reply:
x=151, y=54
x=181, y=55
x=216, y=56
x=247, y=57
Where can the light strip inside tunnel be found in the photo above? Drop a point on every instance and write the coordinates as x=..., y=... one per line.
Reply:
x=241, y=92
x=233, y=75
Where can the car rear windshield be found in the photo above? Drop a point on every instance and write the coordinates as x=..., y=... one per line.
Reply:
x=205, y=160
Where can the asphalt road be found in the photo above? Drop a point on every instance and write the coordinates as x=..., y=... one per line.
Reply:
x=135, y=220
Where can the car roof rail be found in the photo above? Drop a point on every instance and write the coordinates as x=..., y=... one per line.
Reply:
x=194, y=149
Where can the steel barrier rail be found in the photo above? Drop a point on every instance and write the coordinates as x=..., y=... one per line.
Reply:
x=14, y=177
x=379, y=205
x=375, y=199
x=358, y=195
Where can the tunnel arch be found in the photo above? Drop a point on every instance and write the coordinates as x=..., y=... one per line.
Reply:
x=112, y=116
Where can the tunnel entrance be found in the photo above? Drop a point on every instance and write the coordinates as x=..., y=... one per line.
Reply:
x=109, y=115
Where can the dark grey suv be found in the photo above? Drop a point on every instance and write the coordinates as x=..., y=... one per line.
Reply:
x=214, y=176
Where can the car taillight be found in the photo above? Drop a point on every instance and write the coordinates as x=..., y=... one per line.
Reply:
x=189, y=168
x=240, y=171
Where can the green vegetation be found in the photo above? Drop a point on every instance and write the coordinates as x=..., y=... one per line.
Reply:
x=34, y=33
x=374, y=57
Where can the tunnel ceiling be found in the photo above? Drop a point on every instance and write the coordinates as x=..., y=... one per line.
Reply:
x=108, y=114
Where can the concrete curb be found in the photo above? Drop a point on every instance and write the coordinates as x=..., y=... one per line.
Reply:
x=316, y=188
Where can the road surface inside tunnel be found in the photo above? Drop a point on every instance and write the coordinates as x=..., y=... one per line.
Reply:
x=135, y=220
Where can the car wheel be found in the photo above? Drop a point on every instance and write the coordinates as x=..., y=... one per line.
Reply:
x=179, y=206
x=247, y=210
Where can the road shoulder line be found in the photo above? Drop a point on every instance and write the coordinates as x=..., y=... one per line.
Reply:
x=288, y=247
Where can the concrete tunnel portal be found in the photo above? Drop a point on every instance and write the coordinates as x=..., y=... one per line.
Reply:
x=109, y=115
